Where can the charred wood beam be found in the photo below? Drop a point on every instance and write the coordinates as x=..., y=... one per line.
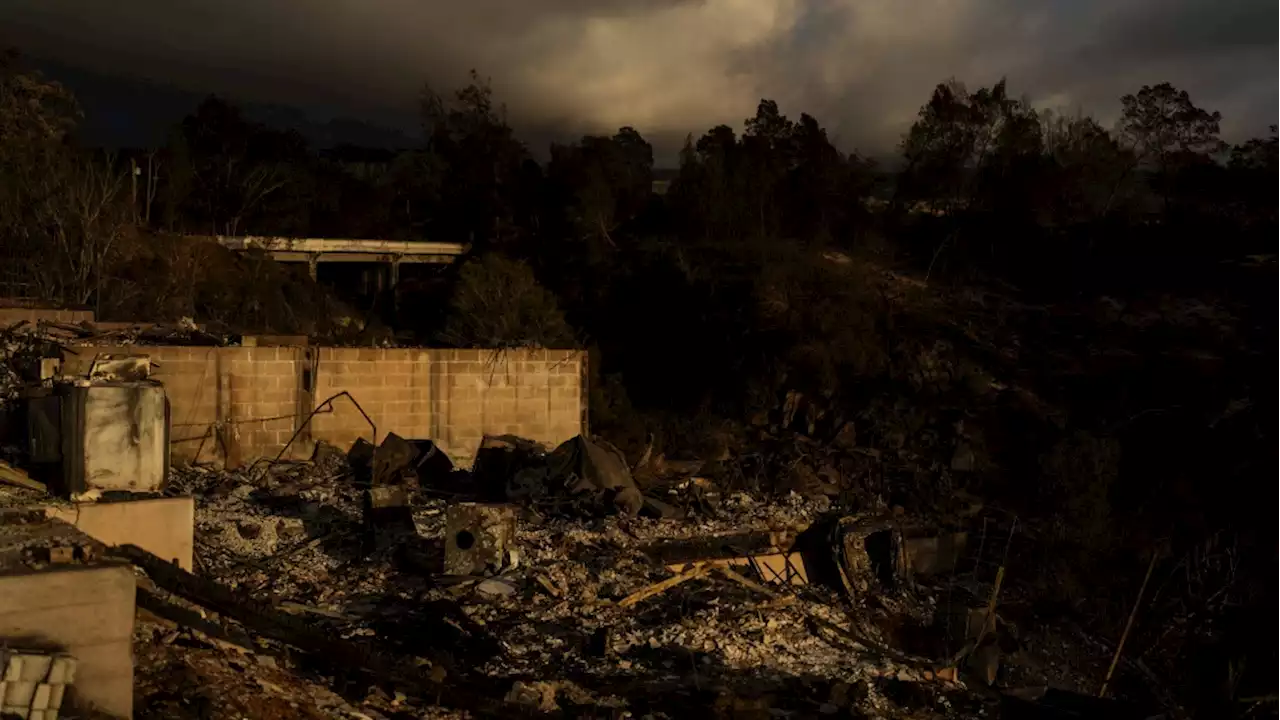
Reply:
x=265, y=620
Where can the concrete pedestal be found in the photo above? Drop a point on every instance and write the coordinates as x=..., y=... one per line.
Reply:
x=82, y=610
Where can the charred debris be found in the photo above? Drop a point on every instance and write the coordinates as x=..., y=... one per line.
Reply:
x=567, y=582
x=382, y=581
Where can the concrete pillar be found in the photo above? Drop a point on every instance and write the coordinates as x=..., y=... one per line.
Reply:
x=84, y=611
x=313, y=265
x=395, y=283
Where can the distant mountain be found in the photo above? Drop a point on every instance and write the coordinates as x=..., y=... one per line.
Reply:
x=132, y=112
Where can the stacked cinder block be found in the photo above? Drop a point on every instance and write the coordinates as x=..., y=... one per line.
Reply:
x=13, y=315
x=534, y=394
x=454, y=397
x=237, y=404
x=392, y=385
x=34, y=684
x=263, y=384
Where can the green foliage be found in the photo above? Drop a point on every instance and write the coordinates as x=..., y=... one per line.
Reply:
x=1087, y=170
x=978, y=150
x=473, y=146
x=242, y=174
x=781, y=179
x=1163, y=126
x=498, y=303
x=604, y=182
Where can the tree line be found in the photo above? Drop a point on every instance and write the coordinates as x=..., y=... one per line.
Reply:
x=980, y=163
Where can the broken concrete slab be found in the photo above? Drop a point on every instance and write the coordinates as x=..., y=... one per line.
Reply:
x=498, y=460
x=495, y=588
x=431, y=464
x=387, y=512
x=478, y=538
x=393, y=461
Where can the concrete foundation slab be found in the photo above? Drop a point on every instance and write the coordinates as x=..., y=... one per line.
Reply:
x=164, y=527
x=85, y=611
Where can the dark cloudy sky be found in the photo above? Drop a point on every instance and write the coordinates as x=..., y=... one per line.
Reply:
x=669, y=67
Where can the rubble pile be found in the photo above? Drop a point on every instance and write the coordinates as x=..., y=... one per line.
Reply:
x=330, y=604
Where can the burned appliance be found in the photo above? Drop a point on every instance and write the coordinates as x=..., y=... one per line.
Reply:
x=100, y=435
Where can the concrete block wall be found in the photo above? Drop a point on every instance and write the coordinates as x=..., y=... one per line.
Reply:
x=391, y=386
x=453, y=397
x=13, y=315
x=264, y=387
x=226, y=404
x=537, y=394
x=232, y=405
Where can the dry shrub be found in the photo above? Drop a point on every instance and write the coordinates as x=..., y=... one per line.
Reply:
x=1079, y=473
x=164, y=278
x=820, y=323
x=498, y=303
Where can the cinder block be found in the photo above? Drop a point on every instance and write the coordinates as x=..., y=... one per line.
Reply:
x=35, y=668
x=391, y=366
x=398, y=408
x=62, y=671
x=277, y=399
x=20, y=693
x=369, y=379
x=255, y=383
x=279, y=368
x=495, y=393
x=42, y=697
x=477, y=537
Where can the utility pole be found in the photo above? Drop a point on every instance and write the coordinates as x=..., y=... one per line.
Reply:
x=152, y=172
x=134, y=171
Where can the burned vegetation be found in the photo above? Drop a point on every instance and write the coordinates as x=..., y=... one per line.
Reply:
x=984, y=431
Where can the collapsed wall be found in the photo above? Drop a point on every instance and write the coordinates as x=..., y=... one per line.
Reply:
x=232, y=405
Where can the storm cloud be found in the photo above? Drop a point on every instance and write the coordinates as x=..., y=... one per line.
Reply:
x=670, y=67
